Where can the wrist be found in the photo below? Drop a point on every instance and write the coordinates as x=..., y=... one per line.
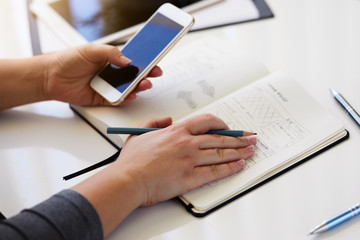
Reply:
x=114, y=195
x=33, y=78
x=43, y=65
x=25, y=77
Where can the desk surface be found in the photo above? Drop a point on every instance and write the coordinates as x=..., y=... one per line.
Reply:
x=317, y=42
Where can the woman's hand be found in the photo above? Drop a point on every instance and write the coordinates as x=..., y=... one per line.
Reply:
x=69, y=73
x=170, y=162
x=163, y=164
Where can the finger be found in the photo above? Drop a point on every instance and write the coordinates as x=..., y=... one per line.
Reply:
x=98, y=100
x=143, y=85
x=155, y=72
x=131, y=97
x=221, y=155
x=157, y=123
x=217, y=141
x=203, y=123
x=104, y=53
x=206, y=174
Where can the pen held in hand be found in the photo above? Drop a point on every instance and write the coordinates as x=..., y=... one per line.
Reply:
x=138, y=131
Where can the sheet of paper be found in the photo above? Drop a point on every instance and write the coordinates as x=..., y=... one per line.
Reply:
x=194, y=76
x=288, y=123
x=225, y=12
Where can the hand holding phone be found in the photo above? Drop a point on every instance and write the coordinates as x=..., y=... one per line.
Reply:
x=146, y=48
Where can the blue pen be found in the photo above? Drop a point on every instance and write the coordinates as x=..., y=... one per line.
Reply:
x=336, y=221
x=137, y=131
x=348, y=108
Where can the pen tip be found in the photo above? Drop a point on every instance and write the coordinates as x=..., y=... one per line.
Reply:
x=333, y=92
x=312, y=232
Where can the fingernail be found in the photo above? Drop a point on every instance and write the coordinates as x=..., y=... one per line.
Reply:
x=250, y=148
x=125, y=59
x=241, y=163
x=252, y=139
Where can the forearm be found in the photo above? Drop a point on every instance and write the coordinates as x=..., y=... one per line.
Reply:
x=22, y=81
x=113, y=194
x=66, y=215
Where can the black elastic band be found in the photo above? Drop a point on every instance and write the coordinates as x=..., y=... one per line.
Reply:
x=2, y=217
x=110, y=159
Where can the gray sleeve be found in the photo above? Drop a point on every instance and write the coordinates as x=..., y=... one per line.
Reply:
x=66, y=215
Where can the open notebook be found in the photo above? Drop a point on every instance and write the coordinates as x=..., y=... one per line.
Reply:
x=207, y=76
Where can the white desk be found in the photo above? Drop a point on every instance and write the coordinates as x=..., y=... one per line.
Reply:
x=315, y=41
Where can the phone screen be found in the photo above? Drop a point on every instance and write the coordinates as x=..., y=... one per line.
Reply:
x=146, y=45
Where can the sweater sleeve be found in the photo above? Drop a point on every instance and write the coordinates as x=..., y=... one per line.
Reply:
x=66, y=215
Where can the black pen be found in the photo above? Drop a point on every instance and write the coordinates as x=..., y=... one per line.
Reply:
x=349, y=109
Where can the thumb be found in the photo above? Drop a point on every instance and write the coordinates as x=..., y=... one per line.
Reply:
x=105, y=53
x=157, y=123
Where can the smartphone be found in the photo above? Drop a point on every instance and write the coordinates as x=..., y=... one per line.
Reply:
x=146, y=48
